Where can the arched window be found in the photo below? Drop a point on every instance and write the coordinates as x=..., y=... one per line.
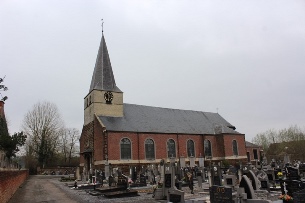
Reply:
x=235, y=150
x=190, y=148
x=149, y=149
x=207, y=148
x=171, y=148
x=125, y=145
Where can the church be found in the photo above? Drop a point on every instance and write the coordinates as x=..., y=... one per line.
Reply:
x=132, y=135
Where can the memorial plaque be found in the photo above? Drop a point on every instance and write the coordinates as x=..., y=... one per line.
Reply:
x=220, y=194
x=168, y=181
x=174, y=198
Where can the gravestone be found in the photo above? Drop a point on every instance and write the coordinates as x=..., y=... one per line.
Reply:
x=299, y=196
x=221, y=194
x=246, y=184
x=292, y=173
x=122, y=181
x=293, y=186
x=253, y=179
x=216, y=175
x=229, y=180
x=182, y=162
x=168, y=180
x=263, y=178
x=143, y=180
x=175, y=196
x=245, y=169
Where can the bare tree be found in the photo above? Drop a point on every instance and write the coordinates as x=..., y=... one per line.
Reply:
x=69, y=137
x=42, y=125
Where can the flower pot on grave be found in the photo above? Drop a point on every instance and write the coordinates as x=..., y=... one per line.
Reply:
x=158, y=194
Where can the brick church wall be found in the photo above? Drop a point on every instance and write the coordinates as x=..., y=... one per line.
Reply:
x=10, y=181
x=86, y=137
x=240, y=139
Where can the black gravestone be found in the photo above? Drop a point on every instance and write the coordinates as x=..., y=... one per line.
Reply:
x=264, y=184
x=292, y=173
x=168, y=181
x=174, y=198
x=122, y=181
x=229, y=181
x=299, y=196
x=143, y=179
x=220, y=194
x=216, y=180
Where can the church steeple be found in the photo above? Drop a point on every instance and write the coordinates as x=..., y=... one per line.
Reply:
x=104, y=97
x=103, y=78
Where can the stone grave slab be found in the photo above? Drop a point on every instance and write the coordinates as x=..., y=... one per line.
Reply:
x=299, y=196
x=175, y=196
x=221, y=194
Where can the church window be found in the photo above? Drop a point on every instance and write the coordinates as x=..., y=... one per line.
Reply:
x=207, y=148
x=190, y=148
x=255, y=154
x=235, y=149
x=171, y=148
x=125, y=148
x=90, y=100
x=149, y=149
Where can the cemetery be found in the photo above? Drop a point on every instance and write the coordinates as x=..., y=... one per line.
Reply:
x=188, y=182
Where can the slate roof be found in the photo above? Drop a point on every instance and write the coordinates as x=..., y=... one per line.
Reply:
x=147, y=119
x=103, y=78
x=249, y=144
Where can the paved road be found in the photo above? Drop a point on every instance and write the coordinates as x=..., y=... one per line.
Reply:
x=40, y=189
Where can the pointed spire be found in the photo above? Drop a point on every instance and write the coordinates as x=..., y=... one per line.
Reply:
x=103, y=78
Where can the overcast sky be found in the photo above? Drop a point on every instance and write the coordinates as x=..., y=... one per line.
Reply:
x=244, y=59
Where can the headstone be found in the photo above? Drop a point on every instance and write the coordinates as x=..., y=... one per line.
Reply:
x=182, y=162
x=299, y=196
x=221, y=194
x=192, y=161
x=292, y=173
x=168, y=180
x=246, y=184
x=253, y=179
x=142, y=179
x=201, y=162
x=199, y=178
x=263, y=178
x=229, y=180
x=216, y=175
x=122, y=181
x=175, y=196
x=293, y=186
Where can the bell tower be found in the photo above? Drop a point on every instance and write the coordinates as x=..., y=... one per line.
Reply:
x=104, y=97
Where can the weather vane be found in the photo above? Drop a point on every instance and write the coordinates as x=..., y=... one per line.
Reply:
x=102, y=25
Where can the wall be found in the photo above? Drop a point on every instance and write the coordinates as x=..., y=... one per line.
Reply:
x=10, y=180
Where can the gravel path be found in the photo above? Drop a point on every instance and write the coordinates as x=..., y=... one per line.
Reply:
x=48, y=189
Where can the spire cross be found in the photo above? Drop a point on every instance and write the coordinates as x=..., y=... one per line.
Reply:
x=102, y=25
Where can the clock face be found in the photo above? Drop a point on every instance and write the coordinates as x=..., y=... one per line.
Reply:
x=108, y=96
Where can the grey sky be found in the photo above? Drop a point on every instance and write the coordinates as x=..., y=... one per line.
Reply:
x=245, y=58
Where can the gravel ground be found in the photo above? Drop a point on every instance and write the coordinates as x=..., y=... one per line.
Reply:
x=145, y=194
